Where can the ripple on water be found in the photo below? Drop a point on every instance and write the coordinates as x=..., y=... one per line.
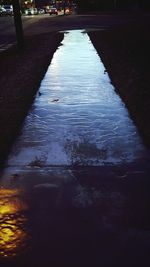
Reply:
x=77, y=119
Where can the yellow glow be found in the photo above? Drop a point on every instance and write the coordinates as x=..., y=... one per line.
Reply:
x=12, y=222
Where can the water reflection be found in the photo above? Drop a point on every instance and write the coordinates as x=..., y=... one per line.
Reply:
x=13, y=236
x=78, y=119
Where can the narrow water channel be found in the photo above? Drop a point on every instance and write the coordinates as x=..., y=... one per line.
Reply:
x=77, y=117
x=65, y=197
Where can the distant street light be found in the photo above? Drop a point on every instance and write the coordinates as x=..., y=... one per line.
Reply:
x=18, y=23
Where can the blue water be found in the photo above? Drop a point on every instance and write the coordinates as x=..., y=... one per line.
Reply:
x=77, y=118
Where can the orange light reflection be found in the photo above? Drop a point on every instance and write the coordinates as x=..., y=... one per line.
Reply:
x=13, y=235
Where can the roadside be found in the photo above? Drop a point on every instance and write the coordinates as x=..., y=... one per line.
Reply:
x=21, y=74
x=126, y=56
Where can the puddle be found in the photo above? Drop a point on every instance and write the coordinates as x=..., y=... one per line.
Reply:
x=13, y=222
x=77, y=118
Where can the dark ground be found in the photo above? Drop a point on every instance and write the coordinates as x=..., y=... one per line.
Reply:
x=21, y=74
x=125, y=53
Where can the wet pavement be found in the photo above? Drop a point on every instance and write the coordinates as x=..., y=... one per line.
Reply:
x=77, y=119
x=75, y=191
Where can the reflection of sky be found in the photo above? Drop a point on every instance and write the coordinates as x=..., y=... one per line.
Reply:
x=78, y=119
x=12, y=222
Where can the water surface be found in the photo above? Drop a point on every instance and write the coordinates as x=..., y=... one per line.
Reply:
x=77, y=117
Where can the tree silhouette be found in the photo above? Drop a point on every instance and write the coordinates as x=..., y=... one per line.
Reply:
x=112, y=4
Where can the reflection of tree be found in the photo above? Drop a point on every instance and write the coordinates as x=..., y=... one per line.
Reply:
x=13, y=236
